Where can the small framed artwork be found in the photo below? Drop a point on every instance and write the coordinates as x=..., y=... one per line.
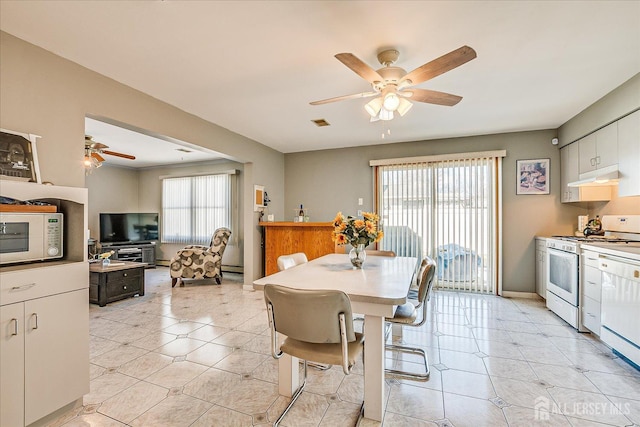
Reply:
x=532, y=176
x=258, y=198
x=18, y=156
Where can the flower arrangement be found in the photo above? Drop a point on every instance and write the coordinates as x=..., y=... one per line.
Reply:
x=356, y=231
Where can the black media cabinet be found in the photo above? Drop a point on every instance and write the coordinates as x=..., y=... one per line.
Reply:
x=135, y=252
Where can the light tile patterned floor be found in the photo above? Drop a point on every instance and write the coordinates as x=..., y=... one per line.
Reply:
x=199, y=356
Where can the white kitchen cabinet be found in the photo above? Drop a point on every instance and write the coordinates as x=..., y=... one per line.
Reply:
x=44, y=317
x=599, y=149
x=541, y=267
x=12, y=365
x=590, y=292
x=44, y=345
x=569, y=173
x=629, y=151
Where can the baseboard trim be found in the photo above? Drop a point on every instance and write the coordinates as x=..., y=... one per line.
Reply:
x=514, y=294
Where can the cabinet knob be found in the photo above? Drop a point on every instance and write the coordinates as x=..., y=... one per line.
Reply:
x=124, y=287
x=125, y=274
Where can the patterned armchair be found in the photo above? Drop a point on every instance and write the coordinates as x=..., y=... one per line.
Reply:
x=200, y=262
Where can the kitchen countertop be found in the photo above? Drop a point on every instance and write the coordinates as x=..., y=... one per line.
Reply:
x=630, y=250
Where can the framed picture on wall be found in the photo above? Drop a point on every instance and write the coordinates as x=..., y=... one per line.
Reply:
x=532, y=176
x=18, y=156
x=258, y=198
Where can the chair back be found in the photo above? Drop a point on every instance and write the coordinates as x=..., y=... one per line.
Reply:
x=288, y=261
x=219, y=240
x=375, y=252
x=425, y=278
x=310, y=315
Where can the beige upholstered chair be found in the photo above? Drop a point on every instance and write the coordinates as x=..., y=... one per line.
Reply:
x=200, y=262
x=318, y=325
x=288, y=261
x=407, y=315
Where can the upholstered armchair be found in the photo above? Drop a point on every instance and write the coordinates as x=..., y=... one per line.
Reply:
x=200, y=262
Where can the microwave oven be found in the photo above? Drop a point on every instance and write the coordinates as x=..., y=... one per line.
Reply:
x=32, y=236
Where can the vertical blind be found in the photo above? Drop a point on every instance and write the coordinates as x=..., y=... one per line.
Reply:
x=446, y=209
x=194, y=206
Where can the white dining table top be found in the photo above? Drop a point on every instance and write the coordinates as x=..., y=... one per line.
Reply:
x=381, y=280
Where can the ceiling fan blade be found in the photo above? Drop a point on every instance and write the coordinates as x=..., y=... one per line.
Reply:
x=441, y=65
x=97, y=156
x=359, y=67
x=342, y=98
x=433, y=97
x=114, y=153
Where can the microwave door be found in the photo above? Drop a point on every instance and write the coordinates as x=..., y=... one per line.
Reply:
x=21, y=238
x=14, y=237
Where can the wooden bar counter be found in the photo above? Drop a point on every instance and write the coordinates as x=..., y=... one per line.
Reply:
x=284, y=238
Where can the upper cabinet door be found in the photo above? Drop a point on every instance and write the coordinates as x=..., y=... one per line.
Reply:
x=629, y=150
x=607, y=146
x=569, y=173
x=587, y=153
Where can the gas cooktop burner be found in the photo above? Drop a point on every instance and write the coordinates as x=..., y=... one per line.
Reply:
x=600, y=239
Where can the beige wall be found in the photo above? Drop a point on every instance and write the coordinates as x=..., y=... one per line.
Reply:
x=618, y=103
x=332, y=180
x=47, y=95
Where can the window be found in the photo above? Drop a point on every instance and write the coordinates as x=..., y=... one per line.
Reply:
x=448, y=209
x=194, y=206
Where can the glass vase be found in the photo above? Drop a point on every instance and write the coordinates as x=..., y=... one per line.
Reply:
x=357, y=255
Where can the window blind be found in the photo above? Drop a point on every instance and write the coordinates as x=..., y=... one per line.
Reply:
x=194, y=206
x=446, y=209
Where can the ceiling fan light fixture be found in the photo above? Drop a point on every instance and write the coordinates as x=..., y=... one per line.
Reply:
x=373, y=107
x=404, y=106
x=391, y=101
x=386, y=114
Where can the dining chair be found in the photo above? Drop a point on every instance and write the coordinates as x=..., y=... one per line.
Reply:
x=318, y=325
x=407, y=315
x=288, y=261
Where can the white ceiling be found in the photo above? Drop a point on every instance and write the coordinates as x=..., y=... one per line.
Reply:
x=253, y=67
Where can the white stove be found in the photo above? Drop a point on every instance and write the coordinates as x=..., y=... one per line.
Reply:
x=621, y=233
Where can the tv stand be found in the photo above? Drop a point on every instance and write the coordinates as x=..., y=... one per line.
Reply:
x=134, y=252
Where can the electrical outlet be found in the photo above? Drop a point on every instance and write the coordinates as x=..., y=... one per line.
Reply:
x=359, y=213
x=360, y=201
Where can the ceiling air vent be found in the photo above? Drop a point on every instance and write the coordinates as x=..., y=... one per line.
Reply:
x=320, y=122
x=184, y=150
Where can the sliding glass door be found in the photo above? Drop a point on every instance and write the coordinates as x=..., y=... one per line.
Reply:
x=446, y=209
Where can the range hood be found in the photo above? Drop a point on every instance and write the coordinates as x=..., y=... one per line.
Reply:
x=601, y=177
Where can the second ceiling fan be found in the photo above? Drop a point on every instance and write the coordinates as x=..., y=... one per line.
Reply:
x=393, y=86
x=94, y=151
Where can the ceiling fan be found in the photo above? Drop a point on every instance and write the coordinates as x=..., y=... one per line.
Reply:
x=94, y=150
x=393, y=86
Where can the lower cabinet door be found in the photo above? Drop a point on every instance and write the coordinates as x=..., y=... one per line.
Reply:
x=56, y=352
x=12, y=365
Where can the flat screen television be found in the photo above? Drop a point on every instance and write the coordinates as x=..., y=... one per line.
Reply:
x=128, y=227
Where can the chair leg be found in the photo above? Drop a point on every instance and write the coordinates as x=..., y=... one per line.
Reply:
x=218, y=281
x=294, y=397
x=174, y=281
x=406, y=374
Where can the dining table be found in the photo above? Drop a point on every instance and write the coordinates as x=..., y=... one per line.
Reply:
x=375, y=290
